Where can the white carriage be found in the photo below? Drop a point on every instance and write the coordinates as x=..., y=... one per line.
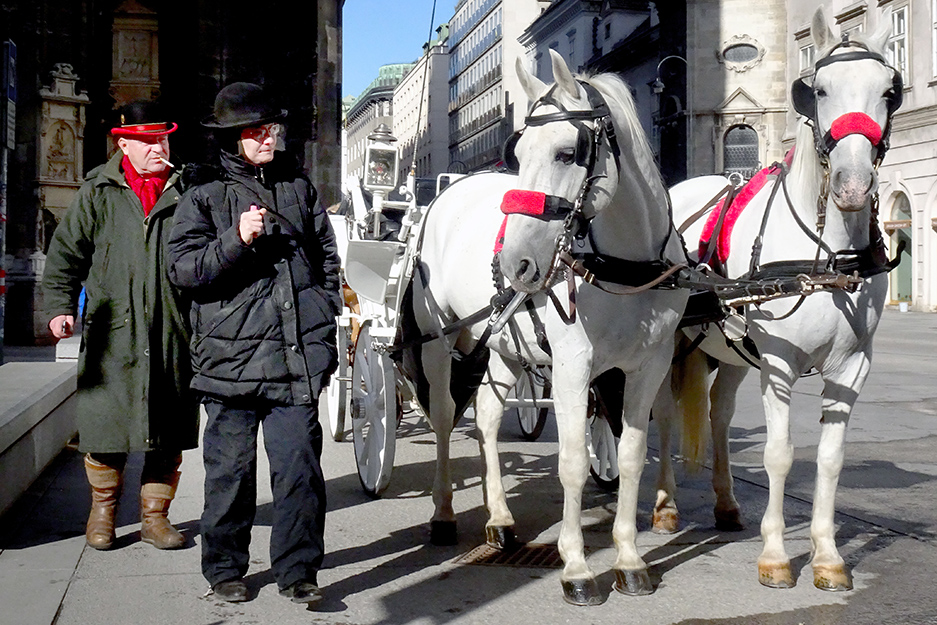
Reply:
x=377, y=239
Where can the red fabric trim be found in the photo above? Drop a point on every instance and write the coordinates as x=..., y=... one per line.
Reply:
x=856, y=124
x=147, y=188
x=499, y=240
x=523, y=202
x=742, y=198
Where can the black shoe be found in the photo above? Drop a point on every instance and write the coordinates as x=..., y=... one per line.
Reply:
x=233, y=590
x=302, y=592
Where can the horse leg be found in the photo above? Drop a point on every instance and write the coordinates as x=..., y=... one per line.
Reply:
x=441, y=411
x=777, y=378
x=489, y=408
x=666, y=518
x=631, y=576
x=722, y=398
x=571, y=386
x=840, y=392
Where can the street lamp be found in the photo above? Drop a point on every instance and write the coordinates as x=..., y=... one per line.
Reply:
x=381, y=159
x=658, y=88
x=658, y=85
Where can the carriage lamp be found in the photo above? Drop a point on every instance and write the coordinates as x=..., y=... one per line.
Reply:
x=381, y=160
x=380, y=171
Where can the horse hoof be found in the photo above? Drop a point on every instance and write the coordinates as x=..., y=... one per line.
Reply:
x=776, y=575
x=666, y=521
x=582, y=592
x=501, y=537
x=832, y=578
x=443, y=533
x=728, y=520
x=634, y=583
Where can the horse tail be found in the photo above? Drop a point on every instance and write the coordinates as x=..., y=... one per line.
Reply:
x=690, y=391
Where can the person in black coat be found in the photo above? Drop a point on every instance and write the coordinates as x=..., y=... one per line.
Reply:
x=258, y=257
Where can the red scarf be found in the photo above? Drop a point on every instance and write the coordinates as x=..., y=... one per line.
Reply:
x=148, y=188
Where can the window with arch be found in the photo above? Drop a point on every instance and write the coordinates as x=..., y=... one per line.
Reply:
x=740, y=151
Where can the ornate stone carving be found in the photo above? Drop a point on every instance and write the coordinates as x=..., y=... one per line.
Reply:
x=61, y=133
x=135, y=60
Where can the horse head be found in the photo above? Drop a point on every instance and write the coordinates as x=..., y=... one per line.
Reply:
x=567, y=160
x=849, y=101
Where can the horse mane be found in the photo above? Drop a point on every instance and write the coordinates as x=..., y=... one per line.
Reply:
x=805, y=168
x=620, y=102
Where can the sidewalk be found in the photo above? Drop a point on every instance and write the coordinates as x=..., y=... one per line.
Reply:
x=381, y=569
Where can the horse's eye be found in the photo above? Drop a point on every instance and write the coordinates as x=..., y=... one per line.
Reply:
x=821, y=93
x=566, y=156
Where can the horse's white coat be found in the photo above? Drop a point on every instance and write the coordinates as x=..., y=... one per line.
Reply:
x=634, y=333
x=830, y=332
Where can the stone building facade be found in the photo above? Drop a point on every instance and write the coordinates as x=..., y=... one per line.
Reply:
x=78, y=61
x=486, y=102
x=420, y=123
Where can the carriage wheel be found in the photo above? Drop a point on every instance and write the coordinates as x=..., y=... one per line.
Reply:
x=336, y=394
x=602, y=442
x=531, y=419
x=373, y=414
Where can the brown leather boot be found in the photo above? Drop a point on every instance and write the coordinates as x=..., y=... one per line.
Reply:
x=154, y=511
x=105, y=489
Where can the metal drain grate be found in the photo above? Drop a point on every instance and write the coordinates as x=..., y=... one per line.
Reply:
x=530, y=555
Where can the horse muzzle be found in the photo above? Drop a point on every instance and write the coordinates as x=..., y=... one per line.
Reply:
x=851, y=188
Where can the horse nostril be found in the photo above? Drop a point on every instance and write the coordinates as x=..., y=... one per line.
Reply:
x=522, y=268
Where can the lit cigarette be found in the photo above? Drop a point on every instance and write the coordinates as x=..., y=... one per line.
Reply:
x=166, y=162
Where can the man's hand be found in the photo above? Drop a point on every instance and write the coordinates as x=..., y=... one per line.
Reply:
x=62, y=326
x=251, y=224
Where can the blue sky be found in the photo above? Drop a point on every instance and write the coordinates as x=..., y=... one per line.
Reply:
x=378, y=32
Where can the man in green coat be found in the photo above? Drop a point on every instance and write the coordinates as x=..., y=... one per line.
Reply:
x=134, y=366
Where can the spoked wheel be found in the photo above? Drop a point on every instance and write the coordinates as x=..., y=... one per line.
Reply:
x=336, y=394
x=373, y=414
x=602, y=440
x=531, y=419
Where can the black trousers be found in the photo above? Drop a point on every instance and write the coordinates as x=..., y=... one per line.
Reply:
x=293, y=441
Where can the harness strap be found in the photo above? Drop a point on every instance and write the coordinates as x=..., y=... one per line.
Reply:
x=759, y=240
x=539, y=330
x=692, y=218
x=717, y=229
x=578, y=267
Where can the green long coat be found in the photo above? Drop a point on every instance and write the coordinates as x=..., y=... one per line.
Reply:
x=134, y=367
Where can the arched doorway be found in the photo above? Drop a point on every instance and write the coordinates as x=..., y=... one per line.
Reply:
x=740, y=151
x=899, y=230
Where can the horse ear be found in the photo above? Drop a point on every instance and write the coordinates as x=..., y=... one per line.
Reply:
x=563, y=77
x=531, y=85
x=820, y=30
x=879, y=38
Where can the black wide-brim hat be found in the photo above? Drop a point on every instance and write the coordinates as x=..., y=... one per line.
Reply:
x=142, y=118
x=243, y=105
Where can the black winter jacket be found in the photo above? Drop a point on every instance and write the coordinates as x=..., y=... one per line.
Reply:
x=263, y=315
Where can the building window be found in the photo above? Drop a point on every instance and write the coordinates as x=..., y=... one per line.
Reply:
x=898, y=42
x=806, y=57
x=741, y=53
x=740, y=151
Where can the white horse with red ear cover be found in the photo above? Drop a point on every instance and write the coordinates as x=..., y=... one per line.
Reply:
x=851, y=99
x=593, y=150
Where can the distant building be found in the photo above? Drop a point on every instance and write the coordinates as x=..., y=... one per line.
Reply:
x=373, y=107
x=420, y=111
x=486, y=102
